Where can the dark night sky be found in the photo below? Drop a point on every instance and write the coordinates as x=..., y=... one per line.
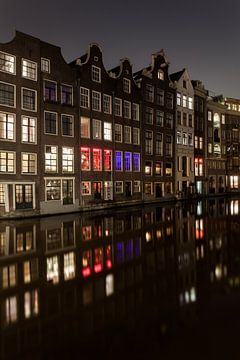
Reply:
x=202, y=36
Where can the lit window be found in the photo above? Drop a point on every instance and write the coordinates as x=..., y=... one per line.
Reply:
x=67, y=125
x=96, y=100
x=84, y=97
x=85, y=127
x=97, y=159
x=29, y=69
x=126, y=86
x=128, y=161
x=179, y=137
x=66, y=95
x=96, y=74
x=210, y=148
x=107, y=104
x=148, y=188
x=29, y=163
x=97, y=129
x=184, y=101
x=50, y=121
x=85, y=158
x=190, y=103
x=119, y=187
x=7, y=63
x=107, y=160
x=127, y=109
x=50, y=158
x=109, y=284
x=127, y=134
x=118, y=161
x=160, y=74
x=149, y=93
x=117, y=107
x=148, y=167
x=69, y=266
x=136, y=136
x=209, y=116
x=7, y=161
x=179, y=96
x=7, y=94
x=107, y=131
x=53, y=269
x=223, y=119
x=67, y=159
x=135, y=111
x=31, y=305
x=53, y=189
x=184, y=139
x=118, y=132
x=29, y=129
x=45, y=65
x=200, y=142
x=159, y=168
x=86, y=263
x=2, y=201
x=11, y=310
x=7, y=126
x=29, y=99
x=168, y=169
x=50, y=90
x=86, y=188
x=8, y=275
x=136, y=162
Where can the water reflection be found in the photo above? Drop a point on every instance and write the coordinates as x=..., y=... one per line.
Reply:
x=65, y=280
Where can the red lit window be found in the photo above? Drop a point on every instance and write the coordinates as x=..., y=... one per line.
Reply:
x=98, y=260
x=85, y=158
x=87, y=233
x=97, y=159
x=109, y=257
x=86, y=263
x=107, y=160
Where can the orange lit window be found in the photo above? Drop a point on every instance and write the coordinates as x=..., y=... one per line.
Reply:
x=85, y=158
x=97, y=159
x=107, y=160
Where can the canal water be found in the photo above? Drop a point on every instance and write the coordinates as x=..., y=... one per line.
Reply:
x=152, y=282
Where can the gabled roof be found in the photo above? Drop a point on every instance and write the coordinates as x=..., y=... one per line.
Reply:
x=177, y=75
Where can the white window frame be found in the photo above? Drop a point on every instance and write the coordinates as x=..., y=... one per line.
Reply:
x=96, y=98
x=70, y=86
x=68, y=160
x=14, y=162
x=85, y=96
x=35, y=91
x=127, y=109
x=89, y=130
x=14, y=94
x=52, y=112
x=82, y=187
x=36, y=68
x=96, y=74
x=35, y=170
x=51, y=171
x=127, y=134
x=119, y=186
x=14, y=63
x=135, y=110
x=14, y=126
x=126, y=85
x=43, y=67
x=94, y=122
x=105, y=137
x=120, y=106
x=72, y=117
x=35, y=134
x=107, y=99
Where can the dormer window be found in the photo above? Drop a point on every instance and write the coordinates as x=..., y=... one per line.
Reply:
x=126, y=86
x=160, y=74
x=96, y=74
x=184, y=84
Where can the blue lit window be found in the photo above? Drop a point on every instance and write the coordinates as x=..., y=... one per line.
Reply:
x=129, y=250
x=119, y=252
x=136, y=162
x=127, y=158
x=118, y=160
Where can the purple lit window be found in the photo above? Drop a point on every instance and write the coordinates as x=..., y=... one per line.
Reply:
x=118, y=160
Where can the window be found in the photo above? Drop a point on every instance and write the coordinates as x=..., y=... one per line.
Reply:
x=127, y=134
x=135, y=111
x=210, y=148
x=107, y=131
x=223, y=119
x=190, y=122
x=127, y=109
x=169, y=100
x=84, y=97
x=50, y=119
x=136, y=136
x=184, y=101
x=86, y=188
x=7, y=63
x=7, y=94
x=96, y=74
x=7, y=161
x=148, y=167
x=184, y=84
x=97, y=160
x=159, y=144
x=190, y=139
x=117, y=107
x=190, y=103
x=169, y=121
x=96, y=100
x=2, y=201
x=7, y=126
x=67, y=125
x=184, y=139
x=148, y=115
x=85, y=158
x=29, y=99
x=29, y=69
x=50, y=158
x=149, y=93
x=97, y=129
x=160, y=97
x=67, y=159
x=118, y=161
x=53, y=189
x=196, y=142
x=126, y=86
x=179, y=117
x=29, y=130
x=137, y=186
x=85, y=127
x=45, y=65
x=107, y=160
x=159, y=168
x=168, y=169
x=148, y=188
x=179, y=97
x=66, y=94
x=179, y=137
x=200, y=142
x=168, y=145
x=149, y=142
x=209, y=116
x=136, y=162
x=128, y=161
x=29, y=163
x=118, y=133
x=50, y=91
x=184, y=119
x=119, y=187
x=159, y=117
x=160, y=74
x=107, y=104
x=8, y=276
